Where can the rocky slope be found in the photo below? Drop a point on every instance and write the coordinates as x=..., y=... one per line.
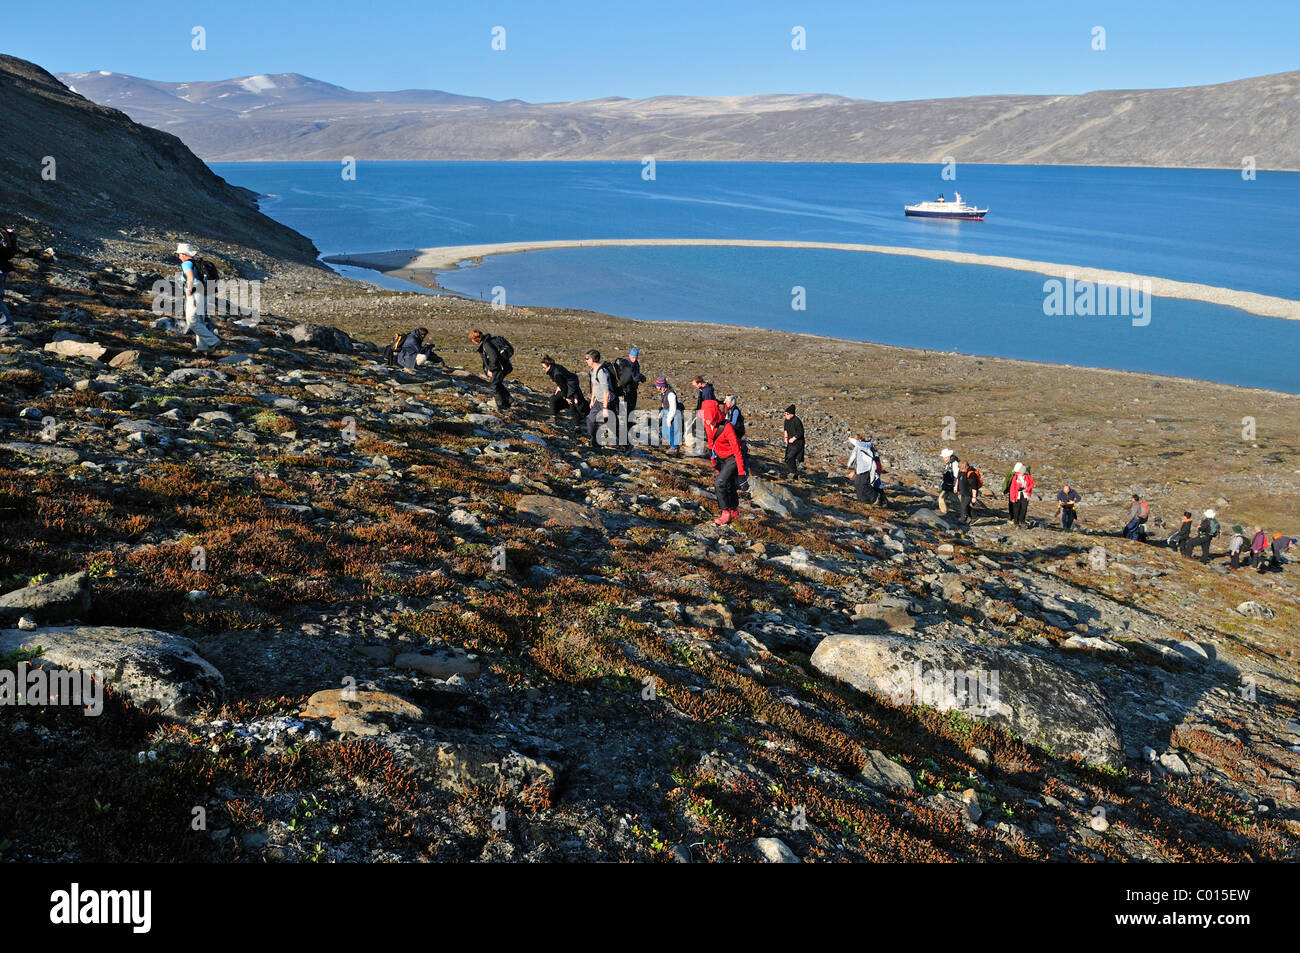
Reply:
x=287, y=116
x=99, y=177
x=356, y=615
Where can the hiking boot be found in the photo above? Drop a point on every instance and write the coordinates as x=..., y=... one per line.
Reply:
x=724, y=518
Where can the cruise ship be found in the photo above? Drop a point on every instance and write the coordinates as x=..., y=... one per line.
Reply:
x=940, y=208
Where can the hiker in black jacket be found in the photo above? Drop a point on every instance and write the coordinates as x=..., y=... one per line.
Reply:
x=8, y=248
x=794, y=443
x=966, y=488
x=627, y=370
x=496, y=367
x=568, y=391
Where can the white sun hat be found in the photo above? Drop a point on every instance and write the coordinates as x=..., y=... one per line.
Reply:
x=947, y=452
x=1018, y=468
x=1209, y=514
x=184, y=249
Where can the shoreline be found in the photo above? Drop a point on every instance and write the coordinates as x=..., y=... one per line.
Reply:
x=401, y=262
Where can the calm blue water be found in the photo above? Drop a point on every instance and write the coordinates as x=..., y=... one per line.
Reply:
x=1192, y=225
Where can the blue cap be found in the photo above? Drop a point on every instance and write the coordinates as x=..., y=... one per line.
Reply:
x=632, y=353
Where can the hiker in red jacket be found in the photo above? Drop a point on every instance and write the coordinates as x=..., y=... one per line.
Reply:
x=1021, y=490
x=728, y=460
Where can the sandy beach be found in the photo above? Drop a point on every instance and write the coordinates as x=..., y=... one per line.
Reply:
x=402, y=262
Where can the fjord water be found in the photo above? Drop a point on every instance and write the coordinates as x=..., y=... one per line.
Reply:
x=1207, y=226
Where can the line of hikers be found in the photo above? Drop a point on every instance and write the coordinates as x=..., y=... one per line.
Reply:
x=960, y=486
x=609, y=418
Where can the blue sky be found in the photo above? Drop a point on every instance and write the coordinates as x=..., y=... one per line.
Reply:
x=564, y=49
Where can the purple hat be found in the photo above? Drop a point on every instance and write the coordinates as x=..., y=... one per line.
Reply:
x=661, y=381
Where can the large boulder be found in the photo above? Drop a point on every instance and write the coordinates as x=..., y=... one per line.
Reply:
x=56, y=601
x=1255, y=610
x=772, y=497
x=557, y=512
x=322, y=336
x=1029, y=696
x=147, y=666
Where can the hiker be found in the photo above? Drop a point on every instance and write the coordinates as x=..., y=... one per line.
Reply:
x=196, y=307
x=602, y=396
x=1006, y=491
x=1206, y=531
x=1066, y=501
x=1279, y=545
x=794, y=445
x=628, y=377
x=670, y=415
x=965, y=491
x=1235, y=546
x=865, y=469
x=731, y=408
x=8, y=249
x=976, y=481
x=1258, y=543
x=1138, y=512
x=568, y=391
x=496, y=352
x=727, y=460
x=703, y=391
x=948, y=479
x=409, y=350
x=1183, y=533
x=1021, y=491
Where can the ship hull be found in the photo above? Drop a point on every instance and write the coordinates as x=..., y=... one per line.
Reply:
x=965, y=216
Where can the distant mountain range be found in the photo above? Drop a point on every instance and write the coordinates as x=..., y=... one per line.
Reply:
x=288, y=116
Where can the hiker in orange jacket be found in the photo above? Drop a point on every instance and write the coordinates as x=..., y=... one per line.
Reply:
x=727, y=458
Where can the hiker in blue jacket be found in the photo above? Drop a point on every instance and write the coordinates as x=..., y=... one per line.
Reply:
x=411, y=347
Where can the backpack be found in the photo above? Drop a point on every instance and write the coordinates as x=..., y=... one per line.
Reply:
x=1214, y=528
x=1006, y=484
x=205, y=271
x=505, y=350
x=949, y=481
x=611, y=368
x=738, y=424
x=1146, y=511
x=625, y=376
x=974, y=479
